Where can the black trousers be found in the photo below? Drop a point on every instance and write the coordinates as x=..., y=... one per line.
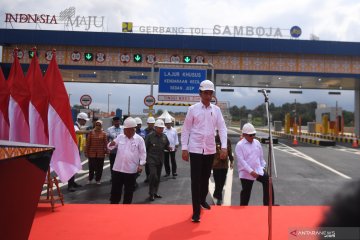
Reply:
x=154, y=177
x=71, y=182
x=170, y=155
x=147, y=170
x=112, y=157
x=219, y=178
x=96, y=166
x=247, y=186
x=122, y=180
x=200, y=170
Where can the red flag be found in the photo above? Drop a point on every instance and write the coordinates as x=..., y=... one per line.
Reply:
x=39, y=102
x=18, y=104
x=4, y=108
x=65, y=159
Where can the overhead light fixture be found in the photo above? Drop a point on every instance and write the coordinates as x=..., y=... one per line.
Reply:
x=261, y=90
x=227, y=90
x=319, y=79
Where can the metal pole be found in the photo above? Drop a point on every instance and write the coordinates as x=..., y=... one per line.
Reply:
x=269, y=167
x=108, y=111
x=129, y=106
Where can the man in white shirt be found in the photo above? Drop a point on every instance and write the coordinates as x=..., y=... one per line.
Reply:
x=198, y=142
x=172, y=135
x=130, y=157
x=251, y=165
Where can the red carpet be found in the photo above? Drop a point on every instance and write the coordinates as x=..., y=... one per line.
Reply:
x=156, y=222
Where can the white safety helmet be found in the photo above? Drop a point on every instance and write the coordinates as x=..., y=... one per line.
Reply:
x=159, y=123
x=168, y=120
x=138, y=120
x=248, y=128
x=83, y=115
x=130, y=123
x=150, y=120
x=206, y=85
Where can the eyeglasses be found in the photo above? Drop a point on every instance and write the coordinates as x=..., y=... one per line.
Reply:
x=251, y=135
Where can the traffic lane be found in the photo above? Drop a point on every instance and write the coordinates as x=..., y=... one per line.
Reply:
x=174, y=190
x=345, y=162
x=299, y=182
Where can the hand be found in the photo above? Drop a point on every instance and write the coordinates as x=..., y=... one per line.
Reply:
x=139, y=169
x=223, y=153
x=254, y=174
x=185, y=155
x=231, y=165
x=112, y=143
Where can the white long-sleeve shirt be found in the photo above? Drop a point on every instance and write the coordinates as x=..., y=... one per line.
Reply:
x=198, y=131
x=172, y=136
x=249, y=158
x=131, y=152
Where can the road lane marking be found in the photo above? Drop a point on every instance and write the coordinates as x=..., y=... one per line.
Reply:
x=345, y=149
x=284, y=148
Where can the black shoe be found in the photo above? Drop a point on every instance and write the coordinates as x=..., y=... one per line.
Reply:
x=71, y=189
x=76, y=185
x=152, y=198
x=174, y=174
x=205, y=205
x=195, y=218
x=157, y=196
x=218, y=202
x=166, y=175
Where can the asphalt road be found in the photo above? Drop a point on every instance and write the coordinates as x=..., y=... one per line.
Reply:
x=306, y=175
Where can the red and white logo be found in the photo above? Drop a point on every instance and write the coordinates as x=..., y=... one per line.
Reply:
x=150, y=58
x=48, y=55
x=75, y=56
x=125, y=58
x=175, y=59
x=100, y=57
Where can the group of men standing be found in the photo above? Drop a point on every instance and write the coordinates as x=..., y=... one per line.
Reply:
x=133, y=148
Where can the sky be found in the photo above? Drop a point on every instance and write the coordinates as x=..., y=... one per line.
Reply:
x=334, y=20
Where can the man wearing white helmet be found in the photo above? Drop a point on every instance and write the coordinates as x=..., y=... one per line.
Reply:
x=80, y=131
x=173, y=138
x=150, y=128
x=198, y=142
x=251, y=165
x=156, y=142
x=130, y=157
x=139, y=131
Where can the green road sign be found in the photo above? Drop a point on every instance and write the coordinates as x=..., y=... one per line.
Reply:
x=137, y=58
x=187, y=59
x=31, y=54
x=89, y=56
